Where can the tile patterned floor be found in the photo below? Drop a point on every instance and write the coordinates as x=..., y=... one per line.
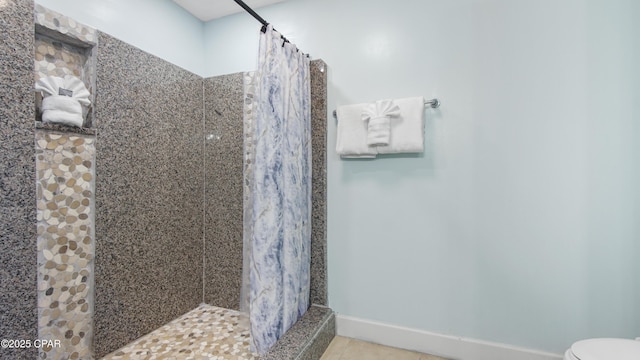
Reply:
x=207, y=332
x=342, y=348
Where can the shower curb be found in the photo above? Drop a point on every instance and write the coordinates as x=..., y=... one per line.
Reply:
x=308, y=338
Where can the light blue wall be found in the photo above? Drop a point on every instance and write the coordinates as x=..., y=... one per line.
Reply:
x=159, y=27
x=520, y=223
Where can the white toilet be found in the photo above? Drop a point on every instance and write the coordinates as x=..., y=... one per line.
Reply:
x=604, y=349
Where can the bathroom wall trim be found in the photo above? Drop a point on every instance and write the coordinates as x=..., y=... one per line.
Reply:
x=432, y=343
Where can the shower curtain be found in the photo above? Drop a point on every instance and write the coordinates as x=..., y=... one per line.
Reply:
x=277, y=190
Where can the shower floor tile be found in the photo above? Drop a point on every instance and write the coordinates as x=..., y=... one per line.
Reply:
x=207, y=332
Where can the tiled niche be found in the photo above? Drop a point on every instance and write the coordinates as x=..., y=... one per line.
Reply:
x=64, y=47
x=65, y=187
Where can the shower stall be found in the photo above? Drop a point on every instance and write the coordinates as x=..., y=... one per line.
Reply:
x=139, y=213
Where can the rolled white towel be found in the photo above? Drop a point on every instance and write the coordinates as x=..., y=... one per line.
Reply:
x=60, y=102
x=407, y=131
x=69, y=86
x=62, y=110
x=352, y=133
x=62, y=99
x=378, y=117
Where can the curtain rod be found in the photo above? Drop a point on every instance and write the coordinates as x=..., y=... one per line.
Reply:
x=251, y=12
x=257, y=17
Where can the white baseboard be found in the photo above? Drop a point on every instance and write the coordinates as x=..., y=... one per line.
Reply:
x=447, y=346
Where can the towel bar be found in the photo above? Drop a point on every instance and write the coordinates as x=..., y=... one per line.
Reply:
x=433, y=103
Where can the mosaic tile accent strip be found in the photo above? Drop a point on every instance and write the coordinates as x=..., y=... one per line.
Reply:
x=65, y=182
x=207, y=332
x=18, y=299
x=65, y=25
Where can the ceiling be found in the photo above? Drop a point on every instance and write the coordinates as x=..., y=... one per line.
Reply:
x=206, y=10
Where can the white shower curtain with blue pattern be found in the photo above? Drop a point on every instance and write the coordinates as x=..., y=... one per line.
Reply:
x=277, y=190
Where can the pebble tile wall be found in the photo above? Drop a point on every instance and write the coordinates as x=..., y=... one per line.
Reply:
x=65, y=25
x=65, y=186
x=57, y=59
x=205, y=333
x=65, y=201
x=18, y=298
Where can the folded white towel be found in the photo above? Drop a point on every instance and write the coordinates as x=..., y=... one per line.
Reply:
x=352, y=133
x=407, y=131
x=62, y=110
x=62, y=99
x=378, y=118
x=69, y=86
x=59, y=102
